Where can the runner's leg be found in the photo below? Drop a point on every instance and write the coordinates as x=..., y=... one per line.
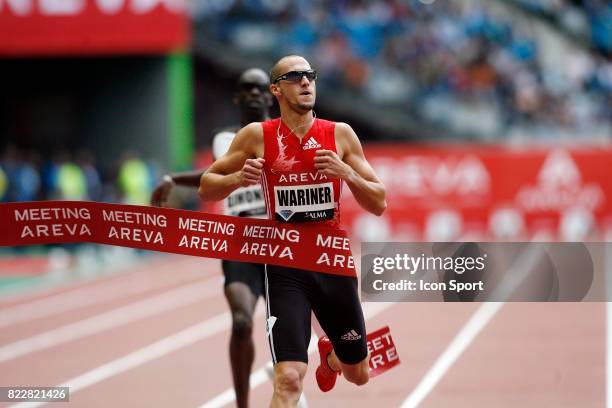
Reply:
x=242, y=350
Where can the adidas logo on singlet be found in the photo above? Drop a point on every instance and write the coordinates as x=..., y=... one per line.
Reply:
x=352, y=335
x=311, y=144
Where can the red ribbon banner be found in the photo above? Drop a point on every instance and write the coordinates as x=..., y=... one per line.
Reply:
x=383, y=355
x=303, y=246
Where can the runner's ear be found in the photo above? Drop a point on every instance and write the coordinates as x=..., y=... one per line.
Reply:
x=275, y=90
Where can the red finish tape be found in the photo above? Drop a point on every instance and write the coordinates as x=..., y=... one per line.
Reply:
x=304, y=246
x=383, y=354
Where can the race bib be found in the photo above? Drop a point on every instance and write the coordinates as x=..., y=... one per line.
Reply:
x=245, y=202
x=312, y=202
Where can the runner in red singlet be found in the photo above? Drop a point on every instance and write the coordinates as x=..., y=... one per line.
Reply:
x=302, y=162
x=294, y=189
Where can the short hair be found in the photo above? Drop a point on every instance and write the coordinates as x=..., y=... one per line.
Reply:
x=275, y=72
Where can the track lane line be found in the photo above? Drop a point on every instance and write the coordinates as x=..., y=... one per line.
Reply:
x=514, y=276
x=160, y=348
x=38, y=293
x=172, y=299
x=88, y=296
x=464, y=338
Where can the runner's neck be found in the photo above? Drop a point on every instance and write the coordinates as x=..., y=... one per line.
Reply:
x=298, y=124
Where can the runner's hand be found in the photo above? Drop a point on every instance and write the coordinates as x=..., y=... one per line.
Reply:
x=251, y=172
x=159, y=196
x=328, y=163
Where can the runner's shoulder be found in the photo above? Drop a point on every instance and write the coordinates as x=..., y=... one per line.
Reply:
x=346, y=138
x=344, y=129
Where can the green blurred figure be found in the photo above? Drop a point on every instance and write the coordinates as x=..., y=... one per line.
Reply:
x=3, y=184
x=71, y=182
x=134, y=181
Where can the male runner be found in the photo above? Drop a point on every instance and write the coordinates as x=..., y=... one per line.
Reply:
x=300, y=155
x=244, y=282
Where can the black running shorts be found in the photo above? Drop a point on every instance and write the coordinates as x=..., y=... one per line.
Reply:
x=291, y=296
x=251, y=274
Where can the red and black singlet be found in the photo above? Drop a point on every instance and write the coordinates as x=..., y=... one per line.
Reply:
x=293, y=188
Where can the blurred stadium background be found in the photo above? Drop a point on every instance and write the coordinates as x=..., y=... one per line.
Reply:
x=487, y=120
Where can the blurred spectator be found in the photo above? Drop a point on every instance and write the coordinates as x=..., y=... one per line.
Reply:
x=155, y=172
x=49, y=176
x=66, y=179
x=93, y=180
x=600, y=16
x=590, y=17
x=448, y=61
x=24, y=178
x=3, y=184
x=134, y=180
x=22, y=175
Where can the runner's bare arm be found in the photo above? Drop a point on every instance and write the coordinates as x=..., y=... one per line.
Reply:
x=239, y=167
x=351, y=166
x=159, y=196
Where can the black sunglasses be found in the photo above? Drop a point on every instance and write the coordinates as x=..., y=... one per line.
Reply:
x=296, y=76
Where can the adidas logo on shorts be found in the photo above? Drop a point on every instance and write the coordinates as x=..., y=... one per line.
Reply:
x=311, y=144
x=352, y=335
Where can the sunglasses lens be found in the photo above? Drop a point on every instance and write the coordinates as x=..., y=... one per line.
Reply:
x=296, y=76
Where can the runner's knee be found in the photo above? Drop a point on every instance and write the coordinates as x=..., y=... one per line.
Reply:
x=357, y=374
x=242, y=324
x=362, y=378
x=287, y=382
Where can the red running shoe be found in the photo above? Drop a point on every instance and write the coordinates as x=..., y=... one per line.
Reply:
x=326, y=377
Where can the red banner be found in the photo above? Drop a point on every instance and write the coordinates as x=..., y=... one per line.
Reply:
x=383, y=355
x=487, y=193
x=86, y=27
x=303, y=246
